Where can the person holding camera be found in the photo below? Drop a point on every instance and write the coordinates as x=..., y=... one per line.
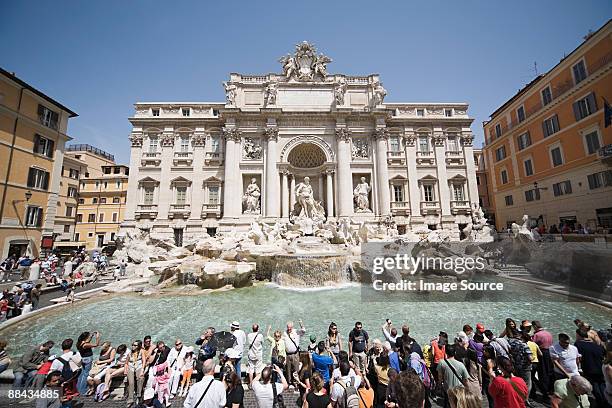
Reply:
x=85, y=344
x=207, y=351
x=267, y=392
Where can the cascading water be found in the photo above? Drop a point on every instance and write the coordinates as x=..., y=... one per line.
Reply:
x=311, y=270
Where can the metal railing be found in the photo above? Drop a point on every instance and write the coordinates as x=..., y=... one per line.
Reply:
x=84, y=147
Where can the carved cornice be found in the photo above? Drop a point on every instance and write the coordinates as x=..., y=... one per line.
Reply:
x=167, y=140
x=271, y=133
x=468, y=139
x=381, y=133
x=343, y=134
x=198, y=140
x=232, y=134
x=136, y=140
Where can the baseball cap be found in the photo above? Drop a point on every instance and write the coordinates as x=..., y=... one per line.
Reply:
x=313, y=338
x=480, y=327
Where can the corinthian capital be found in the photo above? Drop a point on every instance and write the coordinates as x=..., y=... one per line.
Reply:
x=271, y=133
x=232, y=134
x=410, y=139
x=167, y=140
x=136, y=139
x=438, y=139
x=343, y=134
x=381, y=133
x=468, y=139
x=199, y=140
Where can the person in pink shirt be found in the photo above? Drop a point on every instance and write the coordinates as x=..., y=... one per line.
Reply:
x=544, y=339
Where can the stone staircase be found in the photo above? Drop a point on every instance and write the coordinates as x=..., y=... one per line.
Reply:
x=514, y=270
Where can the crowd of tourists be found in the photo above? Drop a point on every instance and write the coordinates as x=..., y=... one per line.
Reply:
x=521, y=364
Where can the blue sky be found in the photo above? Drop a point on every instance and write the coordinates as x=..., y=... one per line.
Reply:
x=99, y=57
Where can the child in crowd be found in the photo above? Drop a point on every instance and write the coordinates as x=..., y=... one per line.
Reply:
x=187, y=370
x=161, y=383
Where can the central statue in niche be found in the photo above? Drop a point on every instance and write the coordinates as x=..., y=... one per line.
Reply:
x=307, y=211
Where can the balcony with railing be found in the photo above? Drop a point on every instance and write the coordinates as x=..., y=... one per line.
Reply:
x=605, y=154
x=454, y=157
x=400, y=207
x=396, y=157
x=146, y=210
x=430, y=207
x=426, y=157
x=179, y=210
x=213, y=209
x=459, y=206
x=150, y=159
x=182, y=158
x=558, y=90
x=215, y=158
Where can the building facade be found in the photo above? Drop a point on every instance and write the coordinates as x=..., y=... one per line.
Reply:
x=209, y=167
x=102, y=202
x=482, y=182
x=32, y=138
x=548, y=149
x=67, y=203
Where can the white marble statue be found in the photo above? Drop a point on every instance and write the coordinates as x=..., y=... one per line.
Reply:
x=320, y=67
x=230, y=93
x=289, y=65
x=270, y=93
x=252, y=150
x=251, y=198
x=361, y=196
x=360, y=148
x=305, y=198
x=379, y=93
x=340, y=91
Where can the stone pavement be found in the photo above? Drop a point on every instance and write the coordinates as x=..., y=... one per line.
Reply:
x=116, y=401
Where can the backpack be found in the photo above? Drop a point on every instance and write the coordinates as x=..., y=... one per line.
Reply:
x=520, y=355
x=426, y=375
x=99, y=392
x=67, y=372
x=351, y=397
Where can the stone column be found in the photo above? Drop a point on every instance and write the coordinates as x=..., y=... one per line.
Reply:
x=198, y=141
x=272, y=184
x=382, y=171
x=165, y=195
x=321, y=194
x=414, y=194
x=470, y=167
x=330, y=193
x=133, y=198
x=292, y=193
x=285, y=194
x=231, y=183
x=345, y=182
x=444, y=193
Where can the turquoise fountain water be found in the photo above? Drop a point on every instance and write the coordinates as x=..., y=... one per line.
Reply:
x=123, y=318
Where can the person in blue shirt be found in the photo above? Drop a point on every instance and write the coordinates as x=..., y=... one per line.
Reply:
x=323, y=362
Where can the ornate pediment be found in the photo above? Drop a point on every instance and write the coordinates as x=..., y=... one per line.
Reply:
x=305, y=64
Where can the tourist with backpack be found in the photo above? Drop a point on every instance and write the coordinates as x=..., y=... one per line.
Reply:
x=317, y=397
x=69, y=364
x=344, y=390
x=520, y=356
x=452, y=373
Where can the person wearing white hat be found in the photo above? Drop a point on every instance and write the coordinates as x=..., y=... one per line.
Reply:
x=240, y=336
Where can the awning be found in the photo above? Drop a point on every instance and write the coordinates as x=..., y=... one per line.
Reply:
x=63, y=244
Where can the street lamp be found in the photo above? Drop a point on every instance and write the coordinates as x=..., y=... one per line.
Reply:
x=28, y=195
